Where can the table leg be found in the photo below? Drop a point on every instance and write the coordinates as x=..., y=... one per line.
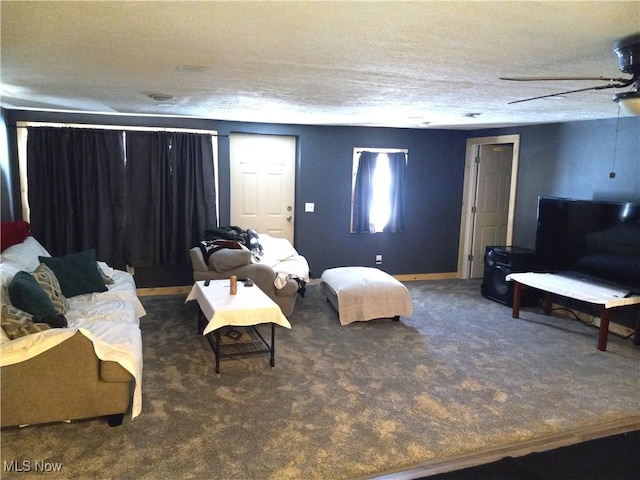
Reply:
x=603, y=332
x=517, y=295
x=216, y=335
x=547, y=303
x=272, y=362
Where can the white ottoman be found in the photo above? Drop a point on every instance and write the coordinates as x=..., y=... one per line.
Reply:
x=365, y=293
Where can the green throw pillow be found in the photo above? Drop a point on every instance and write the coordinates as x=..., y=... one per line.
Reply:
x=49, y=283
x=27, y=295
x=77, y=273
x=17, y=323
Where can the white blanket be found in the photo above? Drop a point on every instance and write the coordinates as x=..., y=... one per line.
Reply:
x=280, y=255
x=580, y=289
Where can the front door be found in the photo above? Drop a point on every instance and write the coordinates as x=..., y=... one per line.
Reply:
x=262, y=174
x=492, y=202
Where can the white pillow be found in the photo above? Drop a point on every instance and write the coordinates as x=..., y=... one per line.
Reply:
x=25, y=254
x=21, y=256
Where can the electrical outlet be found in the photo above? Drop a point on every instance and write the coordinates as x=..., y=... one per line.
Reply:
x=378, y=259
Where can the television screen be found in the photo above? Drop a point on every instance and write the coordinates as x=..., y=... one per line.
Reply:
x=596, y=238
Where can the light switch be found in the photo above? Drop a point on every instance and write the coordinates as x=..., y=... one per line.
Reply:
x=309, y=207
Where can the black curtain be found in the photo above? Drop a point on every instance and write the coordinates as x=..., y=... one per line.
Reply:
x=77, y=194
x=364, y=192
x=171, y=194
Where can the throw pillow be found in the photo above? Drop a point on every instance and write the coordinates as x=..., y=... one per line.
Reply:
x=227, y=259
x=17, y=323
x=27, y=295
x=77, y=273
x=3, y=336
x=49, y=283
x=105, y=278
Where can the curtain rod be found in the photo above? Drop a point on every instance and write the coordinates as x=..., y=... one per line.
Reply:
x=400, y=150
x=120, y=127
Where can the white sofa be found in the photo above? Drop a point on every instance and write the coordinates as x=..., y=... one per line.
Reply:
x=91, y=368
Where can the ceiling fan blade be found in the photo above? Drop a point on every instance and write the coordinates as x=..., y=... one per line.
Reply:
x=599, y=87
x=547, y=79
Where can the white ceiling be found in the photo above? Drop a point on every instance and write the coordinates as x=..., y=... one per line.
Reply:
x=395, y=64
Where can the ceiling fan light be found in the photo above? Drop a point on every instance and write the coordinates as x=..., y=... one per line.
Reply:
x=629, y=100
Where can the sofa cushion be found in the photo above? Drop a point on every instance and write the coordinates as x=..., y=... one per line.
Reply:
x=77, y=273
x=26, y=294
x=17, y=323
x=49, y=283
x=228, y=259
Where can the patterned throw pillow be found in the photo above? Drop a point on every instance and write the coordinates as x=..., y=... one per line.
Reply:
x=17, y=323
x=49, y=283
x=106, y=278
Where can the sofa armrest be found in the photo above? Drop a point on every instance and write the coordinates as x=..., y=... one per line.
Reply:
x=197, y=260
x=113, y=372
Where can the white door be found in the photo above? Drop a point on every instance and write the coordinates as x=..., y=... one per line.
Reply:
x=491, y=212
x=262, y=186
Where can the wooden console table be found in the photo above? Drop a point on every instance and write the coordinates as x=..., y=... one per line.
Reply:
x=605, y=298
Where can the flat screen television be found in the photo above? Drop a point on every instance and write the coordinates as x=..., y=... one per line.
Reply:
x=596, y=238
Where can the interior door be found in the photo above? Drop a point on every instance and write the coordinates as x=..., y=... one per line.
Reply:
x=263, y=183
x=491, y=209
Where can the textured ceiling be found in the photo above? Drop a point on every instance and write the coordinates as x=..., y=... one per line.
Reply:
x=396, y=64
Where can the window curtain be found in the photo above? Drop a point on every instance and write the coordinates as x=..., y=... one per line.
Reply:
x=171, y=194
x=364, y=192
x=77, y=190
x=397, y=165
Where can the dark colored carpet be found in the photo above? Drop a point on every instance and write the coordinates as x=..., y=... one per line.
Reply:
x=610, y=458
x=458, y=380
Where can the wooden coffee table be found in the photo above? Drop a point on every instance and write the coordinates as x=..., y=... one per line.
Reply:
x=603, y=297
x=248, y=308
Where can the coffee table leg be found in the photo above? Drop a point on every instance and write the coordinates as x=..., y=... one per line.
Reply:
x=517, y=294
x=272, y=362
x=216, y=334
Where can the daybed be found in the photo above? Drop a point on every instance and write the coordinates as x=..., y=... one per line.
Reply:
x=90, y=368
x=280, y=271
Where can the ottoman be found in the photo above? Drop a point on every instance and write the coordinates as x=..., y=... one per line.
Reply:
x=365, y=293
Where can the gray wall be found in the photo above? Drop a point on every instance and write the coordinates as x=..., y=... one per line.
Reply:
x=573, y=160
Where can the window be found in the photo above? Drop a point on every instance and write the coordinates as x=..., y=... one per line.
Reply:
x=377, y=195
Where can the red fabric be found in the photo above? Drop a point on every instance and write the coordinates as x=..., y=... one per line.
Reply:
x=12, y=233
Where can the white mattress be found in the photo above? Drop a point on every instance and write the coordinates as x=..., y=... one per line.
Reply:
x=366, y=293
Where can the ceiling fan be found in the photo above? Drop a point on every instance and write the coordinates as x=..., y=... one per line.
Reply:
x=628, y=51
